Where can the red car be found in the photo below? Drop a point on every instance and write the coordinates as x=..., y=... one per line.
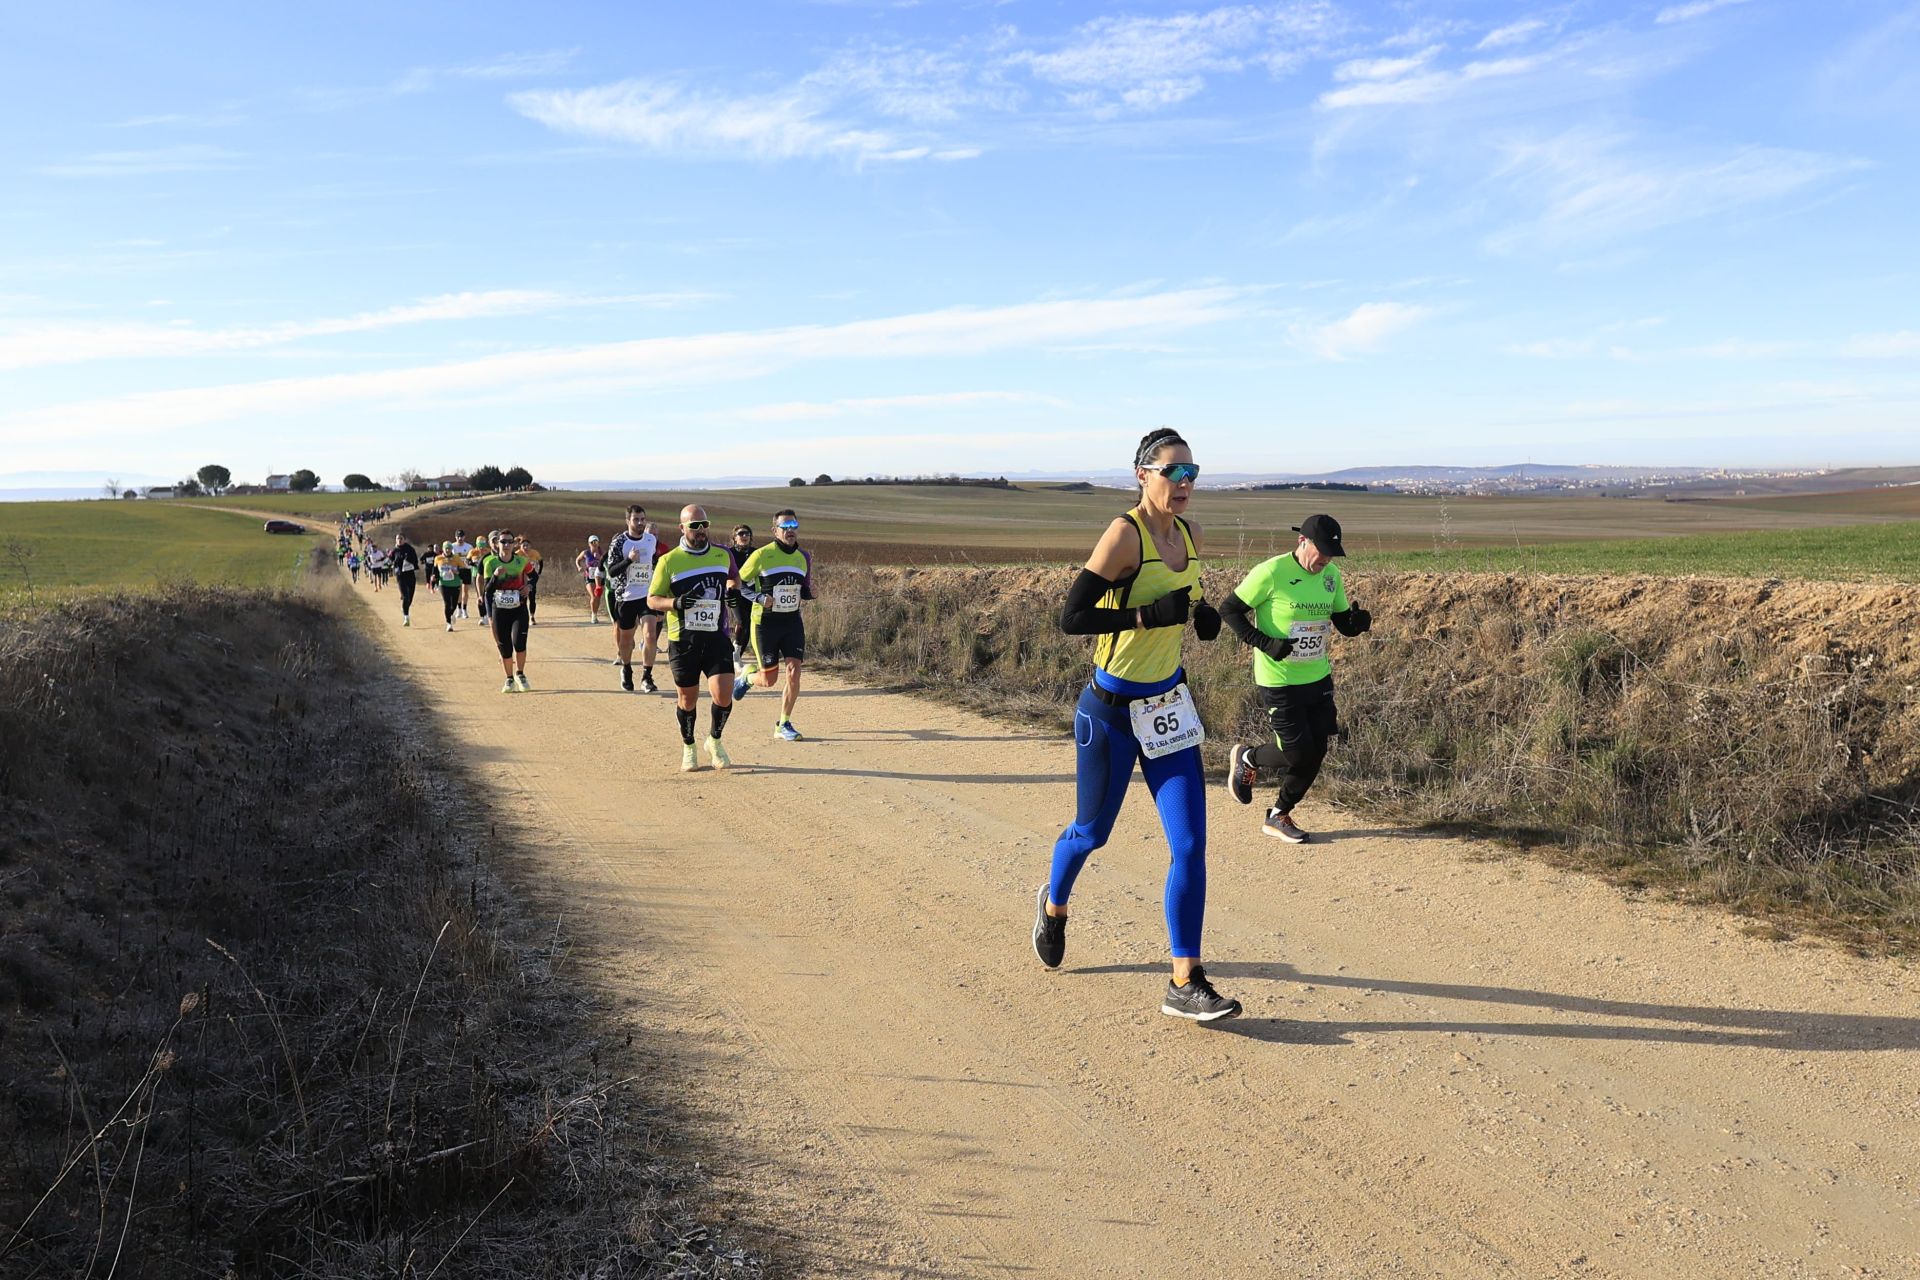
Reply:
x=284, y=526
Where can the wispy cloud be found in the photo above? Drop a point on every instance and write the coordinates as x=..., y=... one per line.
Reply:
x=30, y=344
x=508, y=66
x=1513, y=33
x=814, y=410
x=1695, y=9
x=669, y=119
x=1904, y=345
x=192, y=158
x=651, y=362
x=1591, y=187
x=1152, y=62
x=1366, y=328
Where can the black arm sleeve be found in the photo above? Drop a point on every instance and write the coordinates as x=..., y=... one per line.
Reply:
x=1081, y=616
x=1238, y=615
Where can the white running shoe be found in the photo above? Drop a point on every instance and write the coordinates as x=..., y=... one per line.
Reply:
x=449, y=626
x=717, y=752
x=521, y=676
x=688, y=760
x=509, y=686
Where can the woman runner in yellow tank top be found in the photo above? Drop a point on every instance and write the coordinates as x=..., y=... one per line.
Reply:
x=1136, y=595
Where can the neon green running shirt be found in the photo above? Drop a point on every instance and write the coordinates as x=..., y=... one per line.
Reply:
x=1288, y=601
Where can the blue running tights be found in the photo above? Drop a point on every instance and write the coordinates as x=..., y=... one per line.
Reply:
x=1103, y=737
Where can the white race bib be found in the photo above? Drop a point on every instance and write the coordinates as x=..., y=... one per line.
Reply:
x=506, y=598
x=1166, y=722
x=786, y=597
x=1309, y=640
x=701, y=615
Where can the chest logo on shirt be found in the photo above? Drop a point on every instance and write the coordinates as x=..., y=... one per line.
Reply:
x=1329, y=585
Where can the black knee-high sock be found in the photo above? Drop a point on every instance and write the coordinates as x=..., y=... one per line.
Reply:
x=686, y=717
x=720, y=715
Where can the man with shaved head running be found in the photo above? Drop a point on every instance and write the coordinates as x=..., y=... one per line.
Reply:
x=690, y=584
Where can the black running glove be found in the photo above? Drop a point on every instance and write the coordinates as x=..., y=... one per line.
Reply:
x=1169, y=610
x=1206, y=621
x=687, y=601
x=1352, y=622
x=1275, y=647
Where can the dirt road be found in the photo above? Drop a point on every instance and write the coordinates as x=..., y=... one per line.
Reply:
x=1451, y=1064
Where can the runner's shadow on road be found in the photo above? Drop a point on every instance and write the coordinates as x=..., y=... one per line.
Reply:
x=983, y=778
x=1377, y=833
x=1787, y=1029
x=941, y=735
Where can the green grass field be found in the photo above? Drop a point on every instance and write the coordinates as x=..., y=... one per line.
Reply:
x=933, y=524
x=96, y=544
x=1847, y=553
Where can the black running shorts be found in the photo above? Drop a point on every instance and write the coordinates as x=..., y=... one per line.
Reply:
x=627, y=613
x=779, y=636
x=709, y=654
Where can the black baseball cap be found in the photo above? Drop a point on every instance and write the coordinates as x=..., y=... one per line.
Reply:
x=1323, y=532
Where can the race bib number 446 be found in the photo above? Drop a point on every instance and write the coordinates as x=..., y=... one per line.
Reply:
x=1166, y=723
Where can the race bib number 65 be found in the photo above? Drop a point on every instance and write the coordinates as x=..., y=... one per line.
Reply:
x=1166, y=723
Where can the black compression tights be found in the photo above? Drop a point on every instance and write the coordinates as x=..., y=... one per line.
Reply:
x=450, y=596
x=1298, y=767
x=406, y=592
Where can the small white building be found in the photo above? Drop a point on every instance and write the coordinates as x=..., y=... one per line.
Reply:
x=443, y=484
x=160, y=491
x=279, y=484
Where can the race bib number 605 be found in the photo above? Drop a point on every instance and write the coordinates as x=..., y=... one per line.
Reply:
x=786, y=597
x=1166, y=723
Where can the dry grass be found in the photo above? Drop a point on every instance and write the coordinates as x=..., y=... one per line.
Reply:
x=267, y=1013
x=1750, y=743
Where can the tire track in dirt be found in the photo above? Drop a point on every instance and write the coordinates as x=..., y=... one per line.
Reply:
x=1452, y=1063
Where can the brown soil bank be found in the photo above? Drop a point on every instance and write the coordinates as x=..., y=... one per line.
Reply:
x=263, y=1011
x=1755, y=743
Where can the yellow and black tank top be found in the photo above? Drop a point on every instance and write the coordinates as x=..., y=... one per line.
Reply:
x=1150, y=656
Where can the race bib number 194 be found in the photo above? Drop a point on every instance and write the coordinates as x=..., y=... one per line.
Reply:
x=701, y=615
x=1166, y=723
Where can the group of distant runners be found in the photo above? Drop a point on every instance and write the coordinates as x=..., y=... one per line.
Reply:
x=731, y=614
x=733, y=618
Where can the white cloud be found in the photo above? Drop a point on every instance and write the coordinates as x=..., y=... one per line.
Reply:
x=1883, y=346
x=1696, y=9
x=38, y=343
x=813, y=410
x=924, y=86
x=192, y=158
x=1150, y=62
x=1392, y=87
x=1362, y=330
x=1591, y=190
x=1513, y=33
x=1384, y=68
x=647, y=362
x=669, y=119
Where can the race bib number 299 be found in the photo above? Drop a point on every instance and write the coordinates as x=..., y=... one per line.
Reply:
x=1166, y=723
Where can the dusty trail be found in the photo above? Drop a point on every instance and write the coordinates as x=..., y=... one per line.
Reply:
x=1449, y=1065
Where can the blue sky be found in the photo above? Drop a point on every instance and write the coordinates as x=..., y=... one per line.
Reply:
x=662, y=240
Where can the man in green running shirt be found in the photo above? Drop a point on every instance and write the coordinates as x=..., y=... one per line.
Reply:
x=776, y=578
x=1284, y=611
x=690, y=584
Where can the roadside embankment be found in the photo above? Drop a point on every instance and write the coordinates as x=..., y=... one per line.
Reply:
x=1748, y=742
x=263, y=1008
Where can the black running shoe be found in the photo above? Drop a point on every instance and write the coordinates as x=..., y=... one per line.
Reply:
x=1197, y=1000
x=1281, y=826
x=1049, y=934
x=1241, y=775
x=626, y=679
x=646, y=683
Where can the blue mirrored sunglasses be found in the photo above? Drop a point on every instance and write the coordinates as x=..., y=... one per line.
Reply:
x=1180, y=472
x=786, y=524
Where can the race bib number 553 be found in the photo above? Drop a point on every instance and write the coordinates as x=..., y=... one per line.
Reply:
x=1166, y=723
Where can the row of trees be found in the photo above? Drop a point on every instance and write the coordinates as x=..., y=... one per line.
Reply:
x=215, y=479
